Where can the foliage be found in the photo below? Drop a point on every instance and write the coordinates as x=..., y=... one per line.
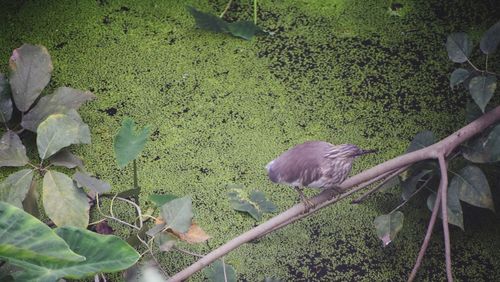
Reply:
x=388, y=225
x=129, y=142
x=220, y=272
x=251, y=202
x=57, y=125
x=44, y=254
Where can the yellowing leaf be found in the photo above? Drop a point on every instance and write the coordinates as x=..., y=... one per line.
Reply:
x=194, y=235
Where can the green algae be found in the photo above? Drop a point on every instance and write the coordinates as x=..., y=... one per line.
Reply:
x=221, y=108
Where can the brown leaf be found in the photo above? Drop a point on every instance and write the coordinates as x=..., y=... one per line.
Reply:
x=159, y=220
x=194, y=235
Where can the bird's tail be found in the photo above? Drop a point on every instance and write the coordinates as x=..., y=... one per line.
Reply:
x=364, y=152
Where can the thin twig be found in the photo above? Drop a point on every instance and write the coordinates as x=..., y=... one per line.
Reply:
x=187, y=252
x=112, y=217
x=376, y=188
x=411, y=196
x=224, y=269
x=255, y=12
x=444, y=211
x=226, y=9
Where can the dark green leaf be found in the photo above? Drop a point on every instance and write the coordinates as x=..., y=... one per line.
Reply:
x=178, y=214
x=25, y=241
x=30, y=203
x=244, y=29
x=129, y=142
x=64, y=203
x=13, y=190
x=485, y=148
x=458, y=76
x=63, y=99
x=472, y=187
x=490, y=39
x=5, y=100
x=262, y=203
x=455, y=214
x=421, y=140
x=208, y=21
x=240, y=204
x=459, y=47
x=103, y=253
x=388, y=226
x=482, y=88
x=410, y=185
x=66, y=159
x=160, y=200
x=30, y=72
x=220, y=272
x=12, y=150
x=473, y=112
x=393, y=182
x=133, y=239
x=157, y=228
x=59, y=131
x=165, y=241
x=92, y=183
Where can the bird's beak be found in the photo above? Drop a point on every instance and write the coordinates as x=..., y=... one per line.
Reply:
x=364, y=152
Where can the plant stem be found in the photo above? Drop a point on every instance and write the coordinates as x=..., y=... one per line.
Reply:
x=444, y=211
x=255, y=12
x=411, y=196
x=376, y=188
x=226, y=9
x=136, y=185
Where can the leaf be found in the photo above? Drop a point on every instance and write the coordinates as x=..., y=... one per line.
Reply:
x=421, y=140
x=409, y=186
x=194, y=235
x=62, y=100
x=92, y=183
x=262, y=203
x=64, y=203
x=129, y=142
x=393, y=182
x=491, y=39
x=13, y=190
x=484, y=149
x=165, y=241
x=59, y=131
x=30, y=203
x=455, y=214
x=160, y=200
x=459, y=47
x=66, y=159
x=482, y=88
x=25, y=240
x=157, y=228
x=30, y=68
x=244, y=29
x=5, y=100
x=220, y=272
x=103, y=253
x=472, y=187
x=178, y=214
x=473, y=112
x=130, y=193
x=388, y=226
x=12, y=150
x=458, y=76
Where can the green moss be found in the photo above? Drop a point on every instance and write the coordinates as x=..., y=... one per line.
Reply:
x=221, y=108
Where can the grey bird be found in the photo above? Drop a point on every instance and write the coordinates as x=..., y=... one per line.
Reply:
x=315, y=164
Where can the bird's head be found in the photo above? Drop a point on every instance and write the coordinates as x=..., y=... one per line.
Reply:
x=347, y=151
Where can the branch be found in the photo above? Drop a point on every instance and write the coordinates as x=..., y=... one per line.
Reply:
x=444, y=148
x=444, y=211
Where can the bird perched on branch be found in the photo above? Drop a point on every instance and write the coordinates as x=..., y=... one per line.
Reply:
x=314, y=164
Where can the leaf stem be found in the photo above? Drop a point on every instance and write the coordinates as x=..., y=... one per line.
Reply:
x=411, y=196
x=226, y=9
x=444, y=212
x=136, y=185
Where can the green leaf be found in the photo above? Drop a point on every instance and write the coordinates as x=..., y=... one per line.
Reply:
x=178, y=214
x=459, y=47
x=262, y=203
x=220, y=272
x=64, y=203
x=421, y=140
x=484, y=149
x=482, y=88
x=473, y=112
x=388, y=226
x=62, y=100
x=129, y=142
x=491, y=39
x=458, y=76
x=253, y=202
x=103, y=253
x=30, y=203
x=5, y=100
x=165, y=241
x=25, y=241
x=12, y=150
x=30, y=68
x=66, y=159
x=13, y=190
x=409, y=186
x=160, y=200
x=455, y=214
x=59, y=131
x=393, y=182
x=244, y=29
x=92, y=183
x=472, y=187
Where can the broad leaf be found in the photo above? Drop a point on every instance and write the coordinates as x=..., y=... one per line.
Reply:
x=473, y=112
x=458, y=76
x=194, y=235
x=220, y=272
x=409, y=186
x=388, y=226
x=30, y=203
x=160, y=200
x=63, y=99
x=92, y=183
x=5, y=100
x=262, y=203
x=244, y=29
x=66, y=159
x=13, y=190
x=26, y=241
x=485, y=149
x=103, y=253
x=63, y=202
x=472, y=187
x=178, y=214
x=59, y=131
x=421, y=140
x=165, y=241
x=482, y=88
x=30, y=68
x=83, y=135
x=12, y=150
x=459, y=47
x=253, y=202
x=129, y=142
x=490, y=39
x=455, y=214
x=157, y=228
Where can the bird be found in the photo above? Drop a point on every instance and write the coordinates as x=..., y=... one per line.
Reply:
x=314, y=164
